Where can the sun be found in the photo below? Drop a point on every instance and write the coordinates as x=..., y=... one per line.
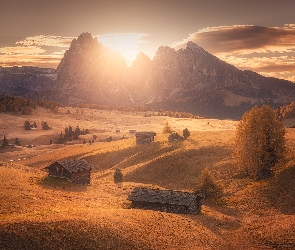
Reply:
x=127, y=44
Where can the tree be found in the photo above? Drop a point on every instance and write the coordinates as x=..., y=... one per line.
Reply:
x=259, y=142
x=167, y=128
x=186, y=133
x=27, y=125
x=5, y=142
x=118, y=177
x=17, y=142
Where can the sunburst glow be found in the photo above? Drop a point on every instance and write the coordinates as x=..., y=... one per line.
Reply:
x=125, y=43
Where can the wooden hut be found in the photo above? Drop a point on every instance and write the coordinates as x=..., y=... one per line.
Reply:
x=144, y=137
x=165, y=200
x=75, y=170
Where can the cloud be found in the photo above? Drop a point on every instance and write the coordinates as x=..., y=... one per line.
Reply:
x=243, y=39
x=250, y=47
x=35, y=51
x=41, y=40
x=21, y=50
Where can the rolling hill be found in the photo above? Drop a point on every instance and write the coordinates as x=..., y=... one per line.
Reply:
x=37, y=210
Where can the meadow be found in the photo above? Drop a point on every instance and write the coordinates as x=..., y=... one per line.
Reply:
x=41, y=212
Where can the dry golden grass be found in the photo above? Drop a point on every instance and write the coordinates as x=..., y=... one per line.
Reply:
x=37, y=210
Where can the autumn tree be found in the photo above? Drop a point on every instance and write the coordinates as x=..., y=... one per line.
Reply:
x=259, y=142
x=167, y=128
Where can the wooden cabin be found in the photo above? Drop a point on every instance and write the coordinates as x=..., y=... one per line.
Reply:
x=144, y=137
x=165, y=200
x=75, y=170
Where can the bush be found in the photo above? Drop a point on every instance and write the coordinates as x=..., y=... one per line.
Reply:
x=207, y=187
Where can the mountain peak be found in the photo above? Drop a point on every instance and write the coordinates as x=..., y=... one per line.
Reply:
x=194, y=46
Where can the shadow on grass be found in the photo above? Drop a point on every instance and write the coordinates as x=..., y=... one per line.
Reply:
x=65, y=234
x=178, y=170
x=129, y=156
x=280, y=191
x=56, y=183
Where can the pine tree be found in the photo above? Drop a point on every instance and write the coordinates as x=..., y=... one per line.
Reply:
x=167, y=128
x=259, y=142
x=27, y=125
x=186, y=133
x=5, y=142
x=118, y=177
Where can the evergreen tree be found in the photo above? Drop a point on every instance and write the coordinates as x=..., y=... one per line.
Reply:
x=186, y=133
x=17, y=142
x=259, y=142
x=5, y=142
x=118, y=177
x=167, y=128
x=77, y=132
x=27, y=125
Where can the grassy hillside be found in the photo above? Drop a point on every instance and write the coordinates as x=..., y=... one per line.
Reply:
x=41, y=212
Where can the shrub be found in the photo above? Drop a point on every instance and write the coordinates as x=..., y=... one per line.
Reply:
x=207, y=187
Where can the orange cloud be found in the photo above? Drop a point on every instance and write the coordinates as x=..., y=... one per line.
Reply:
x=41, y=40
x=35, y=51
x=266, y=50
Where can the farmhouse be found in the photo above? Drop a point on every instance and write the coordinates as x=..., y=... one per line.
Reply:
x=165, y=200
x=75, y=170
x=144, y=137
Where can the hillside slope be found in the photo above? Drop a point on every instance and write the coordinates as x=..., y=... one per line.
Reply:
x=39, y=210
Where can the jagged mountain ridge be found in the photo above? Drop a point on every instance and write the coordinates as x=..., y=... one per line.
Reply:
x=194, y=80
x=27, y=81
x=189, y=79
x=91, y=72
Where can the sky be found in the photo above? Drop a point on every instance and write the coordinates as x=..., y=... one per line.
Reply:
x=257, y=35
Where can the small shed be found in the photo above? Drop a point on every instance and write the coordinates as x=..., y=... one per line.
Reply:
x=75, y=170
x=144, y=137
x=165, y=200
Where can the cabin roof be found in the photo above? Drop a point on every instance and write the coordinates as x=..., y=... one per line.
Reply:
x=74, y=165
x=162, y=196
x=145, y=133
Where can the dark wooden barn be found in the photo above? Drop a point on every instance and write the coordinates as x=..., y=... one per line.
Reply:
x=165, y=200
x=144, y=137
x=75, y=170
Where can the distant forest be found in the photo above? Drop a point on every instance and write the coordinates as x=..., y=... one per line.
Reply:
x=287, y=111
x=24, y=106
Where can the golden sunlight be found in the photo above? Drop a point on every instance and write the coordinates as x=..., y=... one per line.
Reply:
x=125, y=43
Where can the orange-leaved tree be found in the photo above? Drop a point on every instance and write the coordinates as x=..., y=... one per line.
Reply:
x=259, y=142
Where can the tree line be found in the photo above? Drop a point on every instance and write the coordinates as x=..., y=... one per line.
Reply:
x=21, y=105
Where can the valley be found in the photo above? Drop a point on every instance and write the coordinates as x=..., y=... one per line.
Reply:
x=37, y=210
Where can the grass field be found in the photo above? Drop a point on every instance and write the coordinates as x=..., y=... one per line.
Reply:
x=41, y=212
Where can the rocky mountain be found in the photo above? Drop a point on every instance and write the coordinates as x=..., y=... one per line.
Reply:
x=190, y=80
x=27, y=81
x=90, y=72
x=193, y=80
